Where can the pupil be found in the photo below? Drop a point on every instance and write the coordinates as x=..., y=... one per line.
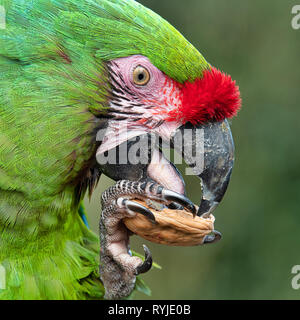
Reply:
x=141, y=76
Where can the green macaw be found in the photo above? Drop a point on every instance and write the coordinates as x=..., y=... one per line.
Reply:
x=69, y=70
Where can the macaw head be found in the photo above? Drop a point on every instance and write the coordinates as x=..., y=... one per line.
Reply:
x=160, y=84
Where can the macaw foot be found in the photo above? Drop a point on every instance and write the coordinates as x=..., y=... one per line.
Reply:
x=118, y=269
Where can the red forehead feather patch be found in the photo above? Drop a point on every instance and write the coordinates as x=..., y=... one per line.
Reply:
x=214, y=97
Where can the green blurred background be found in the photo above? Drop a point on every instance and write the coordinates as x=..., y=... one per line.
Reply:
x=259, y=216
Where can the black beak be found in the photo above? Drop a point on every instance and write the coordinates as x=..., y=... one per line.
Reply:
x=209, y=150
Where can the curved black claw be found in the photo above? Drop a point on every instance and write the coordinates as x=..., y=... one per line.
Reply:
x=180, y=199
x=213, y=237
x=147, y=264
x=175, y=206
x=138, y=208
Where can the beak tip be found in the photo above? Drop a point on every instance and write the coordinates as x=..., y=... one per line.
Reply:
x=206, y=208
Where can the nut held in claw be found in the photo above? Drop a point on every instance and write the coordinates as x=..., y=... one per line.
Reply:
x=174, y=227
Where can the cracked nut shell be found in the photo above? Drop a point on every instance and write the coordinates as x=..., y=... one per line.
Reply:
x=172, y=227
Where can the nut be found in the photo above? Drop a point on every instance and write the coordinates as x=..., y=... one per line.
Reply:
x=172, y=227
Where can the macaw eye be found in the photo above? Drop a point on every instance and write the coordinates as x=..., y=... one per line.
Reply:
x=141, y=76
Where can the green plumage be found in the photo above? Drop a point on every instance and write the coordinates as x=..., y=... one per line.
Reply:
x=52, y=84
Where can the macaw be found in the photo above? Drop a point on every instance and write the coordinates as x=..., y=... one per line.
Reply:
x=68, y=71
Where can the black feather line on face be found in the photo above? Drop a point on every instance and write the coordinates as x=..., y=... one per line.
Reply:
x=120, y=102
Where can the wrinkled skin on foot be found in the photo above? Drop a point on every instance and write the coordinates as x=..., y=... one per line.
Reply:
x=118, y=268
